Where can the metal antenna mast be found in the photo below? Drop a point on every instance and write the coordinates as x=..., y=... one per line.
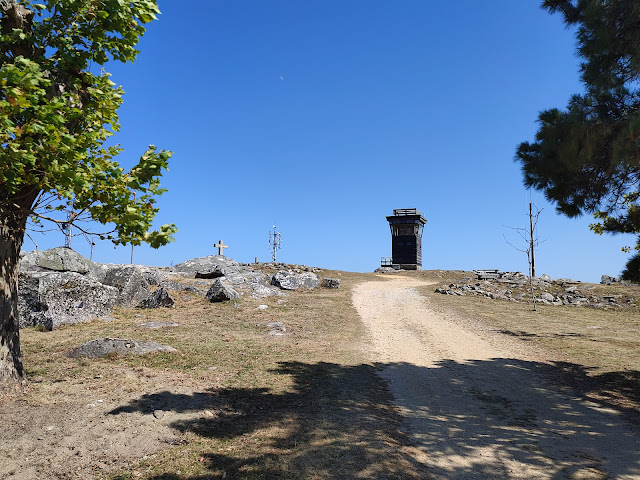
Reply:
x=275, y=242
x=66, y=227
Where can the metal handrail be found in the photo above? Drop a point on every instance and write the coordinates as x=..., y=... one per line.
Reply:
x=406, y=211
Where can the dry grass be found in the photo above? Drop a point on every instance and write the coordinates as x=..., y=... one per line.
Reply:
x=598, y=349
x=303, y=405
x=307, y=404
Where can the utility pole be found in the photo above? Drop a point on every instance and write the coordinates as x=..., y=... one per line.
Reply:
x=532, y=242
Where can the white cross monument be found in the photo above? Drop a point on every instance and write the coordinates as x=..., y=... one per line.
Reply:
x=220, y=245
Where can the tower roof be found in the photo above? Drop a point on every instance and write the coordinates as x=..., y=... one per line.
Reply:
x=406, y=215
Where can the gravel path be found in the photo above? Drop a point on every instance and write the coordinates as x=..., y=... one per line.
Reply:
x=480, y=405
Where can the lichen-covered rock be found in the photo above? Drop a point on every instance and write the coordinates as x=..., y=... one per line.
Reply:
x=607, y=280
x=293, y=281
x=180, y=287
x=221, y=291
x=159, y=298
x=153, y=275
x=385, y=270
x=216, y=271
x=59, y=259
x=547, y=297
x=58, y=298
x=130, y=282
x=205, y=264
x=262, y=291
x=277, y=328
x=32, y=311
x=105, y=346
x=331, y=282
x=242, y=277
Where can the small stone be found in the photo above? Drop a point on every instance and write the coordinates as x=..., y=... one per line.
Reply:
x=546, y=296
x=261, y=307
x=154, y=325
x=277, y=326
x=158, y=414
x=104, y=346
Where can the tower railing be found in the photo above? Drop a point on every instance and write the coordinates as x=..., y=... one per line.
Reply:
x=406, y=211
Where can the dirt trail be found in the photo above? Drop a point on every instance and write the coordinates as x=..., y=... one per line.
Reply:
x=479, y=405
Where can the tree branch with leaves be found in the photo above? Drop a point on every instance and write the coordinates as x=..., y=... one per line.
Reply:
x=56, y=115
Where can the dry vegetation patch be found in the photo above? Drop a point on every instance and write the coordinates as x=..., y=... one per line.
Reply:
x=235, y=402
x=597, y=349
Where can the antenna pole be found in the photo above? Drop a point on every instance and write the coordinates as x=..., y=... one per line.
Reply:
x=275, y=242
x=134, y=201
x=66, y=227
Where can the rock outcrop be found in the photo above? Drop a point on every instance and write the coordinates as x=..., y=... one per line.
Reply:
x=58, y=298
x=221, y=291
x=60, y=259
x=241, y=277
x=205, y=264
x=130, y=282
x=331, y=282
x=514, y=287
x=59, y=286
x=289, y=280
x=159, y=298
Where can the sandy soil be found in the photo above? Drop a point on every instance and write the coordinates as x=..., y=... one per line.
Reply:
x=479, y=404
x=90, y=431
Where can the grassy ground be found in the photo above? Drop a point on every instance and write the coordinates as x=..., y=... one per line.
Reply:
x=303, y=405
x=597, y=349
x=307, y=404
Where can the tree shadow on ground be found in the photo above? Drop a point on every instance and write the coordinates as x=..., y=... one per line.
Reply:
x=472, y=419
x=509, y=418
x=335, y=421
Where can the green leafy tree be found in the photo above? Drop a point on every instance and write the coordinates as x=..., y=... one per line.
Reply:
x=56, y=114
x=586, y=158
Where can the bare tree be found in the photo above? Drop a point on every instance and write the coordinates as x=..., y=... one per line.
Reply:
x=529, y=238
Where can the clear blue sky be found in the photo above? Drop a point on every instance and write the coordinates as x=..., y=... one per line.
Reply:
x=326, y=115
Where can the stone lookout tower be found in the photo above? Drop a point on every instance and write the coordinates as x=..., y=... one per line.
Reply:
x=406, y=226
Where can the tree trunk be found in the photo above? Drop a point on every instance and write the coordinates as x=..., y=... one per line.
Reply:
x=14, y=211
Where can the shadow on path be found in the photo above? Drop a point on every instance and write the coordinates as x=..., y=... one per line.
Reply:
x=499, y=418
x=508, y=418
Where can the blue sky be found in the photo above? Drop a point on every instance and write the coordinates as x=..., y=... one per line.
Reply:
x=324, y=116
